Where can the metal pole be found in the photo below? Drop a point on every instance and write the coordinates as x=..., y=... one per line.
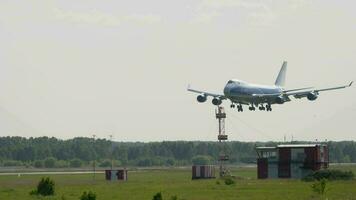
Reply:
x=112, y=149
x=94, y=157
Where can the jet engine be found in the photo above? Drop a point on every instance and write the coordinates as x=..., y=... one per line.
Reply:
x=312, y=96
x=280, y=100
x=201, y=98
x=216, y=101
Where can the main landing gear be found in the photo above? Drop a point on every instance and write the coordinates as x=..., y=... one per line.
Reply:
x=268, y=107
x=239, y=107
x=261, y=107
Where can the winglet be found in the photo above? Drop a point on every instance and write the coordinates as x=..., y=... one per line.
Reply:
x=351, y=83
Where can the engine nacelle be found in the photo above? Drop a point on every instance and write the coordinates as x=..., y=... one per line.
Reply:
x=312, y=96
x=280, y=100
x=201, y=98
x=216, y=101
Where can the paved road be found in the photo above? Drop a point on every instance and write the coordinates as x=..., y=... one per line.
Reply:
x=47, y=173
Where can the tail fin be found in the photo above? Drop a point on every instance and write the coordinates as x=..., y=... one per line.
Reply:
x=281, y=78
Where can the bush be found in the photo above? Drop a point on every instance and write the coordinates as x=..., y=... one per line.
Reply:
x=158, y=196
x=202, y=160
x=170, y=162
x=75, y=163
x=50, y=162
x=38, y=164
x=61, y=164
x=12, y=163
x=319, y=187
x=45, y=187
x=105, y=163
x=88, y=196
x=174, y=197
x=144, y=162
x=229, y=181
x=329, y=175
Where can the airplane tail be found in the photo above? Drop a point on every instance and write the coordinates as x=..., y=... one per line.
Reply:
x=281, y=78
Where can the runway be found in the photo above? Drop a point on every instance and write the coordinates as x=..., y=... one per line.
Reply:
x=48, y=173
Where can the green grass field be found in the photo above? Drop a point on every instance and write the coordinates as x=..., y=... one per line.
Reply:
x=143, y=184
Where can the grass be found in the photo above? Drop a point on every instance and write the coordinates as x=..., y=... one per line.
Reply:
x=143, y=184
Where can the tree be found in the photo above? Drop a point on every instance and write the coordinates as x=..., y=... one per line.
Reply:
x=75, y=163
x=45, y=187
x=88, y=196
x=50, y=162
x=202, y=160
x=38, y=164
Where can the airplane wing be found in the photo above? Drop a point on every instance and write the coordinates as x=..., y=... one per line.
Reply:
x=297, y=93
x=220, y=96
x=279, y=94
x=302, y=94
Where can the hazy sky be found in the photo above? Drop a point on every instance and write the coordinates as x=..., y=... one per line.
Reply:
x=74, y=68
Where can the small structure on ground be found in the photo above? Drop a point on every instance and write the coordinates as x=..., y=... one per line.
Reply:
x=116, y=175
x=291, y=160
x=203, y=171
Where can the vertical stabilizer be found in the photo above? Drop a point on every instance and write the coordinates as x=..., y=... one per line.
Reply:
x=281, y=78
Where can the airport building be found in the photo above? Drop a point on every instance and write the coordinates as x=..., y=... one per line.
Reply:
x=291, y=160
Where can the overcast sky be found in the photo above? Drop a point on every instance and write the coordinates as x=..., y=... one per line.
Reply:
x=77, y=68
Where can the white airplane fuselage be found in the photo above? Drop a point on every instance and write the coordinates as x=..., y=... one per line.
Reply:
x=245, y=93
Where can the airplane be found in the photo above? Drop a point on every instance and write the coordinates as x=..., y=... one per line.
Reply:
x=261, y=96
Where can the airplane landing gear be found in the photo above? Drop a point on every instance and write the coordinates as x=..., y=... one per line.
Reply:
x=268, y=107
x=252, y=108
x=239, y=108
x=232, y=106
x=261, y=107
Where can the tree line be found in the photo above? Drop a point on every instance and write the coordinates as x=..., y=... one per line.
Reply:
x=78, y=152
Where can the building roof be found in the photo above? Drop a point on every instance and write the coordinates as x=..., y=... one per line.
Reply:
x=297, y=145
x=288, y=146
x=266, y=148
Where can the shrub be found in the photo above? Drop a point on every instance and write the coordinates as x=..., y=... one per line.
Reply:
x=158, y=196
x=45, y=187
x=202, y=160
x=38, y=164
x=88, y=196
x=174, y=197
x=105, y=163
x=229, y=181
x=330, y=175
x=319, y=187
x=144, y=162
x=50, y=162
x=12, y=163
x=170, y=162
x=61, y=164
x=75, y=163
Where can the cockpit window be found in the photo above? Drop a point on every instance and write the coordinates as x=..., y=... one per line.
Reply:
x=230, y=81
